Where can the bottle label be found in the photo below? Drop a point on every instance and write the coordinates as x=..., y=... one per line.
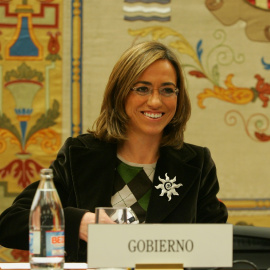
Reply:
x=55, y=242
x=34, y=242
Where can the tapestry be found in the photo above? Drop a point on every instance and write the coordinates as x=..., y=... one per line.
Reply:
x=224, y=49
x=30, y=90
x=32, y=101
x=56, y=57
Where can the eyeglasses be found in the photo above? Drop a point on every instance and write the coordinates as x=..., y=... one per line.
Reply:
x=165, y=91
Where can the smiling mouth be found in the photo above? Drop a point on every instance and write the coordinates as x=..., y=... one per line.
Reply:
x=153, y=115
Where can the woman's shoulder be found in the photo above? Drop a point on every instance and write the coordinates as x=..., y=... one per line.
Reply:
x=194, y=147
x=199, y=154
x=189, y=151
x=87, y=140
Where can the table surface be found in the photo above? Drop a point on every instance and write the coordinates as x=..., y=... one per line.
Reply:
x=27, y=266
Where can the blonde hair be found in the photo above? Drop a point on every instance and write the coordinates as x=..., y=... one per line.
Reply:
x=112, y=122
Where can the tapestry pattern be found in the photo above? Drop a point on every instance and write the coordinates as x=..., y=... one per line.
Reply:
x=30, y=95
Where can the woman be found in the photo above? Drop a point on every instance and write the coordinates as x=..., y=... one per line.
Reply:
x=134, y=156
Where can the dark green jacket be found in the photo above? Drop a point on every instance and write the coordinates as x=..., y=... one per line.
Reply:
x=84, y=172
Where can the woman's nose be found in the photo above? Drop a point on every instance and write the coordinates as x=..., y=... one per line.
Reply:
x=154, y=99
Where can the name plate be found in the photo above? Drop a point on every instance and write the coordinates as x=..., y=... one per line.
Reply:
x=193, y=245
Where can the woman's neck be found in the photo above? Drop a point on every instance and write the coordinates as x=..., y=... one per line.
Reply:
x=139, y=150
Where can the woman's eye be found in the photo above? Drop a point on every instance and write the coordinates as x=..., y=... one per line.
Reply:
x=168, y=90
x=142, y=89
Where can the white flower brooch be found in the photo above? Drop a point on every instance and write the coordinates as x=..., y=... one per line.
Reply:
x=168, y=186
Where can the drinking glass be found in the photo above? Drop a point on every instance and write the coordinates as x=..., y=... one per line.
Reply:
x=111, y=215
x=115, y=215
x=132, y=217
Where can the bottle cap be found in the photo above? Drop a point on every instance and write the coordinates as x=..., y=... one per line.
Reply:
x=46, y=172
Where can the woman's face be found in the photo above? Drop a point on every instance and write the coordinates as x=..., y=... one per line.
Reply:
x=150, y=114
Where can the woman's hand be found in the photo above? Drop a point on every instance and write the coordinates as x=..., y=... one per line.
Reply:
x=90, y=218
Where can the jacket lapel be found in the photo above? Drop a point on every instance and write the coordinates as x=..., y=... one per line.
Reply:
x=173, y=164
x=93, y=174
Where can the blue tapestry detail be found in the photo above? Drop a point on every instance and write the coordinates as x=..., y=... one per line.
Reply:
x=24, y=46
x=199, y=50
x=266, y=65
x=23, y=111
